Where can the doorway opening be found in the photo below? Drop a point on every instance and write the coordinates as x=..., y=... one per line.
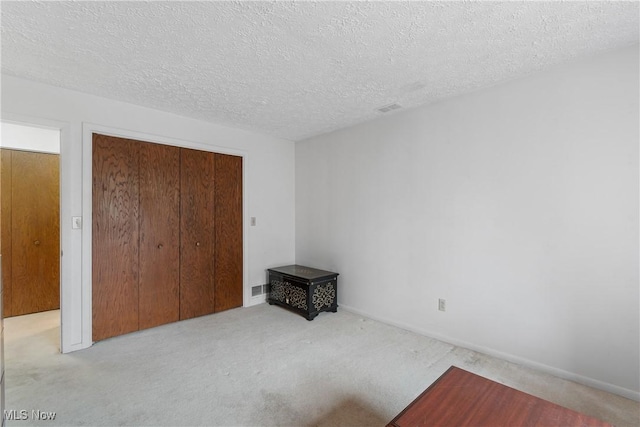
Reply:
x=30, y=239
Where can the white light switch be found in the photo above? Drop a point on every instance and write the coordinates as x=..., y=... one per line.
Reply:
x=76, y=222
x=253, y=221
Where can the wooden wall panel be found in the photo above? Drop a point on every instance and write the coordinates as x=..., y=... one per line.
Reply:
x=159, y=281
x=115, y=236
x=228, y=228
x=197, y=241
x=5, y=226
x=35, y=232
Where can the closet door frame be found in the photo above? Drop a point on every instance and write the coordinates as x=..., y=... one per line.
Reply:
x=70, y=315
x=88, y=129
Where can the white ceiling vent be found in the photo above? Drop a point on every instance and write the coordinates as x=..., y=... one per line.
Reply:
x=389, y=107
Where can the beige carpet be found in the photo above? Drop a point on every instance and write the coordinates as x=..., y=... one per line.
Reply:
x=257, y=366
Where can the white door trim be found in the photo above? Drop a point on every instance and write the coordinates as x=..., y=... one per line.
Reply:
x=67, y=234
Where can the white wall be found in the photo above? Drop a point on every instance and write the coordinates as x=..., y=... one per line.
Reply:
x=268, y=182
x=30, y=138
x=518, y=204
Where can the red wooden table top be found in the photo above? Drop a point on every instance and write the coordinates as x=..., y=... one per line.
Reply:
x=459, y=398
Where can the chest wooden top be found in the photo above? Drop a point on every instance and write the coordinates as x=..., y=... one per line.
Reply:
x=306, y=273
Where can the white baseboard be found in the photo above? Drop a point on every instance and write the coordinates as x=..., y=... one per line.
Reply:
x=75, y=347
x=258, y=299
x=611, y=388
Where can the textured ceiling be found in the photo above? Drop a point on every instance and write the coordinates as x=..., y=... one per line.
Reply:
x=298, y=69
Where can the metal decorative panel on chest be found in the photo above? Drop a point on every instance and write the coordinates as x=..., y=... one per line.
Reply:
x=305, y=290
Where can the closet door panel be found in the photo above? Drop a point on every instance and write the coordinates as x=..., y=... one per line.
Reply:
x=197, y=242
x=5, y=203
x=159, y=282
x=35, y=232
x=228, y=229
x=115, y=236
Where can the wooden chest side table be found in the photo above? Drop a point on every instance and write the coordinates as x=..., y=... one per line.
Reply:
x=305, y=290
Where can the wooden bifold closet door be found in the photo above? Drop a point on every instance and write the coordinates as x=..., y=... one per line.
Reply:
x=197, y=242
x=167, y=234
x=30, y=231
x=159, y=266
x=115, y=235
x=228, y=247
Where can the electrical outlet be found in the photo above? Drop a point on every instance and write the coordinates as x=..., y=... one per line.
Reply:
x=442, y=304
